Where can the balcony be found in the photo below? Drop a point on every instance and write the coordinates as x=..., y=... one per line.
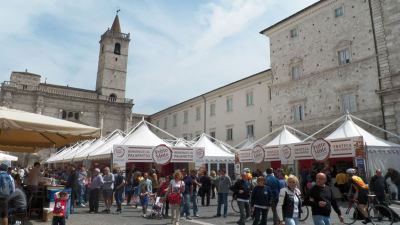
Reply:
x=63, y=91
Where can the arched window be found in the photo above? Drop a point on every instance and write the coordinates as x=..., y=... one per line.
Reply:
x=112, y=98
x=117, y=49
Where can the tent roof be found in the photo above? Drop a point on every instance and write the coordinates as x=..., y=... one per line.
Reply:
x=284, y=138
x=350, y=129
x=180, y=143
x=82, y=153
x=7, y=157
x=248, y=143
x=213, y=152
x=34, y=131
x=105, y=149
x=142, y=135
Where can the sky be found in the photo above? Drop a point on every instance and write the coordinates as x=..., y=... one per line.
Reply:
x=179, y=48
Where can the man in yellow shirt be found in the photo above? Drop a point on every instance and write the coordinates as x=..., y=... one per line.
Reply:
x=342, y=183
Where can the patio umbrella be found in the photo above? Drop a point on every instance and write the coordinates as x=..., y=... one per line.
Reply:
x=22, y=131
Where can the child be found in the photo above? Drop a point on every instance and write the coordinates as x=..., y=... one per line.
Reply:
x=260, y=201
x=60, y=208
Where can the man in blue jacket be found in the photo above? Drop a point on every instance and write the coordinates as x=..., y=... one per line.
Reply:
x=273, y=183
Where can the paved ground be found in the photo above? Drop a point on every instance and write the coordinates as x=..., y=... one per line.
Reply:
x=132, y=216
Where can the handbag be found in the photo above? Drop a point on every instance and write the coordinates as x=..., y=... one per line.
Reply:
x=174, y=198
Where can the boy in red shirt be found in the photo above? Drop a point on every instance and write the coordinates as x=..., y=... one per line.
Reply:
x=60, y=208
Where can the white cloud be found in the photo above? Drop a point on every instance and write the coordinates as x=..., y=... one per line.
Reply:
x=226, y=18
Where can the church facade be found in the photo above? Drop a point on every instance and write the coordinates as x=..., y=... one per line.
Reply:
x=105, y=107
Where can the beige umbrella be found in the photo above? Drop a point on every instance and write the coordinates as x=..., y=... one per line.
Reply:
x=29, y=132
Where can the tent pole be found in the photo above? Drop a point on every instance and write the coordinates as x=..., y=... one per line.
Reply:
x=383, y=130
x=319, y=131
x=160, y=129
x=299, y=131
x=267, y=135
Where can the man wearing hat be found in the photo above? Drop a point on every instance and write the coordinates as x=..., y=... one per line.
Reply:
x=7, y=187
x=97, y=182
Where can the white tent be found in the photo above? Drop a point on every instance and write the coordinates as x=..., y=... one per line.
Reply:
x=283, y=138
x=213, y=152
x=180, y=143
x=381, y=154
x=83, y=153
x=64, y=152
x=105, y=150
x=6, y=157
x=142, y=135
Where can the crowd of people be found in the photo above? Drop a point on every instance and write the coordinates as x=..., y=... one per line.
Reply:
x=256, y=193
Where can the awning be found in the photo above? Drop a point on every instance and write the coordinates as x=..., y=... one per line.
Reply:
x=22, y=131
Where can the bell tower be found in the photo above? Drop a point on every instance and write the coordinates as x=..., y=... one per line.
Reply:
x=113, y=62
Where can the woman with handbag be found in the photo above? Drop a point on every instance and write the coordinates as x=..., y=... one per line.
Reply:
x=177, y=186
x=289, y=205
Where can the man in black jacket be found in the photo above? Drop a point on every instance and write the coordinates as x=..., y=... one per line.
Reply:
x=322, y=200
x=242, y=189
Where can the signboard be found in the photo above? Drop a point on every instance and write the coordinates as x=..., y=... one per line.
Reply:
x=286, y=154
x=160, y=154
x=258, y=154
x=246, y=155
x=360, y=164
x=319, y=150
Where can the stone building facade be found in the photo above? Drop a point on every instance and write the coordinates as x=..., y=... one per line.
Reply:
x=230, y=113
x=324, y=63
x=106, y=107
x=333, y=57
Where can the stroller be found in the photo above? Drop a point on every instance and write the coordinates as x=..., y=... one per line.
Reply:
x=156, y=210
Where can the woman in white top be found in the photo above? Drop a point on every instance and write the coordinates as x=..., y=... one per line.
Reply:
x=289, y=204
x=177, y=186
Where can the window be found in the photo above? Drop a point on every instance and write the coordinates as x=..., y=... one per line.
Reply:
x=229, y=104
x=64, y=114
x=185, y=117
x=174, y=120
x=157, y=123
x=187, y=136
x=212, y=134
x=250, y=130
x=165, y=123
x=197, y=134
x=117, y=49
x=349, y=103
x=294, y=33
x=77, y=116
x=212, y=109
x=198, y=112
x=270, y=126
x=229, y=134
x=298, y=113
x=296, y=72
x=112, y=97
x=339, y=11
x=269, y=93
x=344, y=56
x=70, y=114
x=249, y=98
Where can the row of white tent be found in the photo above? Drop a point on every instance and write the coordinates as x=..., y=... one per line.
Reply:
x=380, y=153
x=140, y=135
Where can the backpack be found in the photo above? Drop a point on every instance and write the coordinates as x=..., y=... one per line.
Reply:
x=6, y=185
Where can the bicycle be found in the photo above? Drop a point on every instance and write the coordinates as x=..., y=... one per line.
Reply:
x=377, y=212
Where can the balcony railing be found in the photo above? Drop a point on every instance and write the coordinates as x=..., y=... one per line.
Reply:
x=64, y=92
